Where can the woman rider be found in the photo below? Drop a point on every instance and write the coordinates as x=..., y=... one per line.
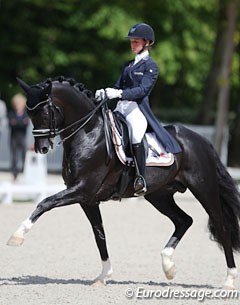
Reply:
x=133, y=88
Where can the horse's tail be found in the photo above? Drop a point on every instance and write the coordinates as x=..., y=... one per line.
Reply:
x=230, y=202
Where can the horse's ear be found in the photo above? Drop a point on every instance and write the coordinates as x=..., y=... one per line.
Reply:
x=24, y=86
x=46, y=91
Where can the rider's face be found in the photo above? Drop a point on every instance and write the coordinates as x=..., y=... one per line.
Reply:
x=136, y=45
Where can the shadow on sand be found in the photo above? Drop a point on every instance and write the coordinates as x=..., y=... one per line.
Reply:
x=41, y=280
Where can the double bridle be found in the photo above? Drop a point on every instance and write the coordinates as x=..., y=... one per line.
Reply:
x=53, y=130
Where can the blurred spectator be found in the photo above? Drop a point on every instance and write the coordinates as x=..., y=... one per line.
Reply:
x=18, y=122
x=3, y=116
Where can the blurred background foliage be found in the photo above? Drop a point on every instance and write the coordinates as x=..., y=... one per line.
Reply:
x=86, y=40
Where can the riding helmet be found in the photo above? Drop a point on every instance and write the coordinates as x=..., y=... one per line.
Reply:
x=142, y=30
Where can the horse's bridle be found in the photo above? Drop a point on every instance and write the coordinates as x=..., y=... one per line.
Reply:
x=53, y=130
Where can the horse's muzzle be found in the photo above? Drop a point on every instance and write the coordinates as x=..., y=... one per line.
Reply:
x=42, y=146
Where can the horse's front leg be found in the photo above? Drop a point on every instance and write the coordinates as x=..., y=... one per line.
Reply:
x=65, y=197
x=94, y=216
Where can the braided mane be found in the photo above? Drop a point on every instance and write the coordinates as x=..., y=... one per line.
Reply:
x=60, y=79
x=73, y=83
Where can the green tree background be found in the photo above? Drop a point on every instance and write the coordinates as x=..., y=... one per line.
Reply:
x=86, y=40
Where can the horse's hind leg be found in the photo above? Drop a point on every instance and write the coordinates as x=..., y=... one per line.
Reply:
x=209, y=198
x=164, y=203
x=94, y=216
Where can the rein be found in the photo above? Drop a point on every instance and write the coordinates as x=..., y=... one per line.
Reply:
x=52, y=131
x=85, y=120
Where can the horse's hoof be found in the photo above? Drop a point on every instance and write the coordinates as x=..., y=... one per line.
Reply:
x=170, y=273
x=99, y=283
x=15, y=241
x=229, y=287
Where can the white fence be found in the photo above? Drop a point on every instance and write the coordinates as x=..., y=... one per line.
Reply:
x=209, y=133
x=54, y=158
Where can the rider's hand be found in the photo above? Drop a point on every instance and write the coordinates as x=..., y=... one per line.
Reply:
x=113, y=93
x=100, y=95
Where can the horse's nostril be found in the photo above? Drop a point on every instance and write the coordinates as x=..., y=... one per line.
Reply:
x=44, y=150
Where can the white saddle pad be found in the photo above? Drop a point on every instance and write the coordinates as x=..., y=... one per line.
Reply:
x=157, y=156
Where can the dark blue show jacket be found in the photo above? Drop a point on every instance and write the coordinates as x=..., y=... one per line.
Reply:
x=137, y=82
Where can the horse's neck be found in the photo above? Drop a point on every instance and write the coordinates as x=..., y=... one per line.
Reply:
x=76, y=105
x=81, y=107
x=81, y=111
x=90, y=138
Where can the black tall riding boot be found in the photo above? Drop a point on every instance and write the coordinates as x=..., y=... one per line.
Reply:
x=140, y=183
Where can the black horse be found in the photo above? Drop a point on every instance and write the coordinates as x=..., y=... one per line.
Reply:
x=64, y=107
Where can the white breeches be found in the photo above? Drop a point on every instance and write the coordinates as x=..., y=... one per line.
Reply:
x=134, y=118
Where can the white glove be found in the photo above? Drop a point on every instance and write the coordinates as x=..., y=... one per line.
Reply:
x=100, y=95
x=113, y=93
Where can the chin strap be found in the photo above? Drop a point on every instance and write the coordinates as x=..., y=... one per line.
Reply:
x=144, y=47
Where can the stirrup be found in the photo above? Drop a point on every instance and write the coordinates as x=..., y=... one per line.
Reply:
x=140, y=186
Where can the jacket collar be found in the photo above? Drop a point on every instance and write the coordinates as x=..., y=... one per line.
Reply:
x=141, y=56
x=141, y=61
